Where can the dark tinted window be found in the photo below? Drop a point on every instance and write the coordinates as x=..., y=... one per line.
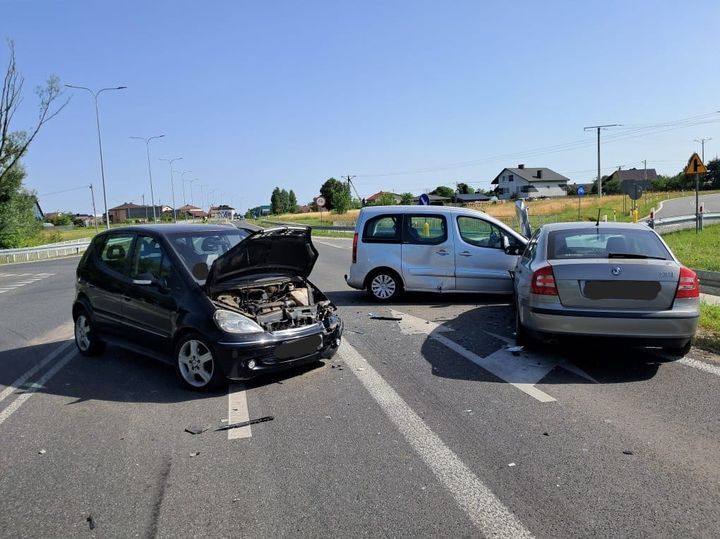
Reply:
x=481, y=233
x=610, y=243
x=383, y=229
x=198, y=250
x=115, y=252
x=150, y=259
x=425, y=229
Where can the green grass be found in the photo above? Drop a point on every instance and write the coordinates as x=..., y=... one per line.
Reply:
x=708, y=335
x=699, y=250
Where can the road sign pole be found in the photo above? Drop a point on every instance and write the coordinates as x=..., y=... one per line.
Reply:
x=579, y=198
x=697, y=202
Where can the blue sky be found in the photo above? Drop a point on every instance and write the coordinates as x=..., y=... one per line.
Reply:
x=406, y=95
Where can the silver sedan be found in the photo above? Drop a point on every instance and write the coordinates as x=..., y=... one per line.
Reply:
x=616, y=280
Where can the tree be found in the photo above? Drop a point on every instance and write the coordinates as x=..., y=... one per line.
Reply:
x=443, y=191
x=17, y=219
x=276, y=202
x=385, y=199
x=327, y=190
x=292, y=202
x=407, y=199
x=464, y=189
x=713, y=173
x=341, y=199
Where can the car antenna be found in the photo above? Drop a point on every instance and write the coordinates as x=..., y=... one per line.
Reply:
x=597, y=223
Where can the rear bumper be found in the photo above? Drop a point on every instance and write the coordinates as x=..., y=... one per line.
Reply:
x=246, y=360
x=354, y=280
x=646, y=327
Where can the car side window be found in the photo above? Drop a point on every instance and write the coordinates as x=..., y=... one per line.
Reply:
x=424, y=229
x=481, y=233
x=115, y=252
x=150, y=259
x=382, y=229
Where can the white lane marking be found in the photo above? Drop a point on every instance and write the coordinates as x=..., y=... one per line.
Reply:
x=17, y=403
x=29, y=279
x=522, y=372
x=483, y=508
x=330, y=244
x=31, y=372
x=238, y=411
x=700, y=365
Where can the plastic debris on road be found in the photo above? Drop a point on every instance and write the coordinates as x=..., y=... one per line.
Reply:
x=246, y=423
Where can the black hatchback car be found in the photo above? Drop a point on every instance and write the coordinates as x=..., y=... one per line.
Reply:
x=218, y=302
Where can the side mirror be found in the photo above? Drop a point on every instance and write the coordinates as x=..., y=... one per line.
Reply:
x=514, y=250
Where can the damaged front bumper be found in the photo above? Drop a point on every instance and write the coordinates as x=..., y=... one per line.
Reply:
x=270, y=352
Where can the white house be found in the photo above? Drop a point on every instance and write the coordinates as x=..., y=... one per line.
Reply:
x=526, y=182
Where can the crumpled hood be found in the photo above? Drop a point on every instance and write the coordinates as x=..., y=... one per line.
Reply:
x=272, y=250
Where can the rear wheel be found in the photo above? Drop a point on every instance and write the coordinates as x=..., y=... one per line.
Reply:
x=384, y=285
x=86, y=336
x=196, y=365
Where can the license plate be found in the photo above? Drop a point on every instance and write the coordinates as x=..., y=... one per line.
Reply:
x=299, y=348
x=646, y=290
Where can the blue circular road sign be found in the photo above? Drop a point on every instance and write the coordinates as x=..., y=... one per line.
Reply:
x=581, y=191
x=424, y=200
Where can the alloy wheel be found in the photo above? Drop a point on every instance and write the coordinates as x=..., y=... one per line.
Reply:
x=196, y=363
x=383, y=286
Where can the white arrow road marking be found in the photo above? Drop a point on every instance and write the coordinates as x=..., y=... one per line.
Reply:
x=483, y=508
x=522, y=371
x=17, y=403
x=238, y=411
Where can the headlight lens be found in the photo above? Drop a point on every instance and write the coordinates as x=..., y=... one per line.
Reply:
x=231, y=322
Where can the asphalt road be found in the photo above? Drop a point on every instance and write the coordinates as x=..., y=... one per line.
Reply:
x=676, y=207
x=426, y=426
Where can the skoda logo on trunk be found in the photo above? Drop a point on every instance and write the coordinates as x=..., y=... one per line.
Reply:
x=616, y=271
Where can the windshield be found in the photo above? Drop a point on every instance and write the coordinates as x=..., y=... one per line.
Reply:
x=598, y=243
x=198, y=250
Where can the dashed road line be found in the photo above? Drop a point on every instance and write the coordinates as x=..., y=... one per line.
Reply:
x=483, y=508
x=330, y=244
x=28, y=278
x=700, y=365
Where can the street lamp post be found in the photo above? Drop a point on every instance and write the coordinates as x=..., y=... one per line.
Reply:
x=182, y=177
x=147, y=148
x=97, y=120
x=172, y=184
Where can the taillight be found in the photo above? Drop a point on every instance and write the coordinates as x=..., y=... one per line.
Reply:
x=543, y=282
x=354, y=251
x=688, y=285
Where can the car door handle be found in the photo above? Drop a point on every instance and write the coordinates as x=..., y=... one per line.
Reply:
x=465, y=253
x=442, y=252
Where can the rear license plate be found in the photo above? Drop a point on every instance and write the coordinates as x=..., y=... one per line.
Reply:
x=646, y=290
x=299, y=348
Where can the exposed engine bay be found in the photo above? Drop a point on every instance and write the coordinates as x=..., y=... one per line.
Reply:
x=279, y=304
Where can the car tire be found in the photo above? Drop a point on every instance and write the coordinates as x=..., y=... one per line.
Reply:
x=384, y=285
x=196, y=365
x=87, y=340
x=678, y=351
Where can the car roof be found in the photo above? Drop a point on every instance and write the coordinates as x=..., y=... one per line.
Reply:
x=552, y=227
x=164, y=230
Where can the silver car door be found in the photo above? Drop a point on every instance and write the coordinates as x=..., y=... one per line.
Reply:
x=427, y=253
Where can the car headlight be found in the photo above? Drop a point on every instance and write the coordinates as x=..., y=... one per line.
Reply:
x=231, y=322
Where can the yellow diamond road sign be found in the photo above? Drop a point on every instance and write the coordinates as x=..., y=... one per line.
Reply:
x=695, y=165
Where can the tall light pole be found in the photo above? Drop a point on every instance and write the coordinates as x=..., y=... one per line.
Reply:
x=147, y=148
x=172, y=184
x=182, y=177
x=702, y=142
x=97, y=120
x=599, y=127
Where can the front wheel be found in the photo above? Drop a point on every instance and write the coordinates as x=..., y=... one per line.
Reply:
x=384, y=286
x=86, y=336
x=196, y=365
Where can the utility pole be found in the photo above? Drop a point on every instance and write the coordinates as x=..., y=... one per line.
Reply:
x=349, y=180
x=599, y=127
x=702, y=144
x=92, y=195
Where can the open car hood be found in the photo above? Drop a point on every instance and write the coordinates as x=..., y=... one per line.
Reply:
x=287, y=250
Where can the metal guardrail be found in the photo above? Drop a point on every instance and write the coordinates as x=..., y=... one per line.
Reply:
x=709, y=282
x=42, y=252
x=313, y=227
x=671, y=224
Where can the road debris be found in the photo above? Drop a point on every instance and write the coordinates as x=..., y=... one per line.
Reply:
x=91, y=522
x=245, y=423
x=42, y=452
x=384, y=317
x=195, y=454
x=628, y=452
x=195, y=429
x=512, y=464
x=546, y=434
x=515, y=350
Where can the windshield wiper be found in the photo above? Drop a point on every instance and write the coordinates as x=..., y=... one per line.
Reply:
x=635, y=255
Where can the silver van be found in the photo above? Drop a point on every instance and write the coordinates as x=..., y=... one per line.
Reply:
x=432, y=249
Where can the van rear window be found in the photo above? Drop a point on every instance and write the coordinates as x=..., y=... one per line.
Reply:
x=383, y=229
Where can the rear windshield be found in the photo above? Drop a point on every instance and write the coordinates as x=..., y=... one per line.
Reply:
x=598, y=243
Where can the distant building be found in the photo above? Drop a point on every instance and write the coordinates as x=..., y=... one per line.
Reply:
x=526, y=182
x=373, y=199
x=193, y=212
x=221, y=212
x=134, y=212
x=435, y=200
x=633, y=179
x=472, y=197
